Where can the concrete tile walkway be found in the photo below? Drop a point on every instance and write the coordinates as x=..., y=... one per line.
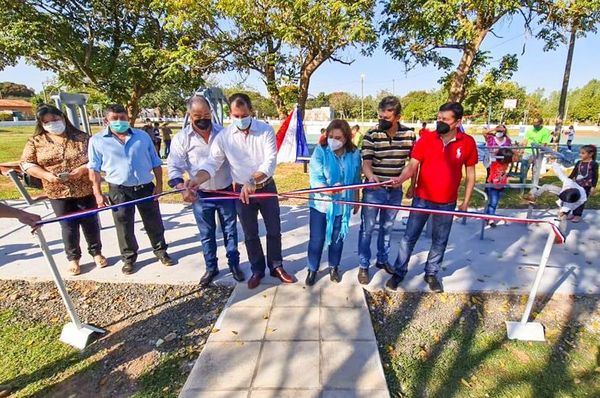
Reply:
x=291, y=341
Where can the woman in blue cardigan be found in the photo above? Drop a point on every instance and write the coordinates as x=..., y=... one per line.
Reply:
x=333, y=162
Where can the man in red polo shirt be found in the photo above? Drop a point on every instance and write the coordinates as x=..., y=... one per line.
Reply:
x=439, y=156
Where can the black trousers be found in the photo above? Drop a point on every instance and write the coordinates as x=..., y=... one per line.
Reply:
x=248, y=214
x=579, y=211
x=125, y=219
x=70, y=229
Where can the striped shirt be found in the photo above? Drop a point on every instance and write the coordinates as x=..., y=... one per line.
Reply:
x=389, y=155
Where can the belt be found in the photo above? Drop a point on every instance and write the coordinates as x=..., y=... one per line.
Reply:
x=264, y=183
x=131, y=187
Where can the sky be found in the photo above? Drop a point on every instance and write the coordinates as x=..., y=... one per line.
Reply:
x=537, y=69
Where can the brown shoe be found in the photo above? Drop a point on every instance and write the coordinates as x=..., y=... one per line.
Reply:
x=254, y=281
x=74, y=268
x=100, y=261
x=283, y=276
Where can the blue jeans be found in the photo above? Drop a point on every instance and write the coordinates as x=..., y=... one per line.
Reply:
x=318, y=225
x=204, y=213
x=494, y=196
x=525, y=164
x=440, y=225
x=386, y=223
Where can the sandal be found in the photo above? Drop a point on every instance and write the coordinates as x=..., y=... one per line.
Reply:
x=100, y=261
x=74, y=268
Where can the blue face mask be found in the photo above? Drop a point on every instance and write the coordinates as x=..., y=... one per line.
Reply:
x=119, y=126
x=242, y=123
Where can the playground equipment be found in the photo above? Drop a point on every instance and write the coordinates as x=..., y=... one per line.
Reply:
x=74, y=105
x=217, y=100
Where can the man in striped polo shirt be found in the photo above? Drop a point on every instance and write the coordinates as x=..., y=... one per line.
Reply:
x=385, y=151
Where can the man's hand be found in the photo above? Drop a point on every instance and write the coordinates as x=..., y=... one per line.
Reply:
x=29, y=219
x=396, y=182
x=187, y=195
x=592, y=191
x=355, y=209
x=101, y=200
x=463, y=207
x=78, y=173
x=247, y=190
x=374, y=179
x=410, y=192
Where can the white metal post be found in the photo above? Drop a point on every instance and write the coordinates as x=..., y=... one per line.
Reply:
x=532, y=331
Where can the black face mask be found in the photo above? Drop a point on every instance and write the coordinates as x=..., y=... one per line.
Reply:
x=385, y=124
x=442, y=128
x=203, y=124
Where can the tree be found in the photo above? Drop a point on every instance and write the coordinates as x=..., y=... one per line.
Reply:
x=342, y=103
x=419, y=33
x=319, y=101
x=170, y=100
x=122, y=49
x=286, y=42
x=422, y=105
x=572, y=19
x=585, y=102
x=10, y=89
x=261, y=104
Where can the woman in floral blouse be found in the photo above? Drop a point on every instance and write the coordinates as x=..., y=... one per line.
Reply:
x=57, y=154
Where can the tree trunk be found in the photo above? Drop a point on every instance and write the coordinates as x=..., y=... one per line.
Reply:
x=305, y=75
x=273, y=90
x=133, y=105
x=565, y=85
x=457, y=88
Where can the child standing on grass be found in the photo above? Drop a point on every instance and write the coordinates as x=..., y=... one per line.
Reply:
x=499, y=176
x=585, y=173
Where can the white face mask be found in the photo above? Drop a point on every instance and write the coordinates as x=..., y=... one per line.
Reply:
x=334, y=144
x=499, y=135
x=57, y=127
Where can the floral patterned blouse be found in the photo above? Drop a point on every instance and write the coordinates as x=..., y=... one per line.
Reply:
x=59, y=155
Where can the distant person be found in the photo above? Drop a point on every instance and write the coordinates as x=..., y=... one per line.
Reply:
x=23, y=216
x=570, y=133
x=167, y=133
x=585, y=173
x=156, y=135
x=357, y=136
x=323, y=137
x=494, y=139
x=439, y=159
x=423, y=129
x=130, y=162
x=57, y=154
x=536, y=135
x=498, y=175
x=335, y=163
x=386, y=152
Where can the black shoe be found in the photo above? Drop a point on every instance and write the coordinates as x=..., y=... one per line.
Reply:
x=334, y=275
x=237, y=274
x=311, y=278
x=363, y=276
x=208, y=277
x=394, y=281
x=127, y=268
x=386, y=266
x=166, y=260
x=434, y=284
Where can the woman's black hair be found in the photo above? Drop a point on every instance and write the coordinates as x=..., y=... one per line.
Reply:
x=46, y=109
x=591, y=149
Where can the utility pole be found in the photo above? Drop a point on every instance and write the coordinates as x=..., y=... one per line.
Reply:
x=562, y=104
x=362, y=97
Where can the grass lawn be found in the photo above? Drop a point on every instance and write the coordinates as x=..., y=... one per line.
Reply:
x=288, y=177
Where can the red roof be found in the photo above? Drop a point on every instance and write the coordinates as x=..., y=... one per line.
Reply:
x=12, y=103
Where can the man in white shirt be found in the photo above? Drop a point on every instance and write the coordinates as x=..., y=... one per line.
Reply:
x=249, y=146
x=189, y=149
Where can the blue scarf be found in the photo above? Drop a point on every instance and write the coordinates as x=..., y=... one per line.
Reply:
x=351, y=167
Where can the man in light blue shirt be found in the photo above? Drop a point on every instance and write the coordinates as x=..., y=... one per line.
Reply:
x=129, y=160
